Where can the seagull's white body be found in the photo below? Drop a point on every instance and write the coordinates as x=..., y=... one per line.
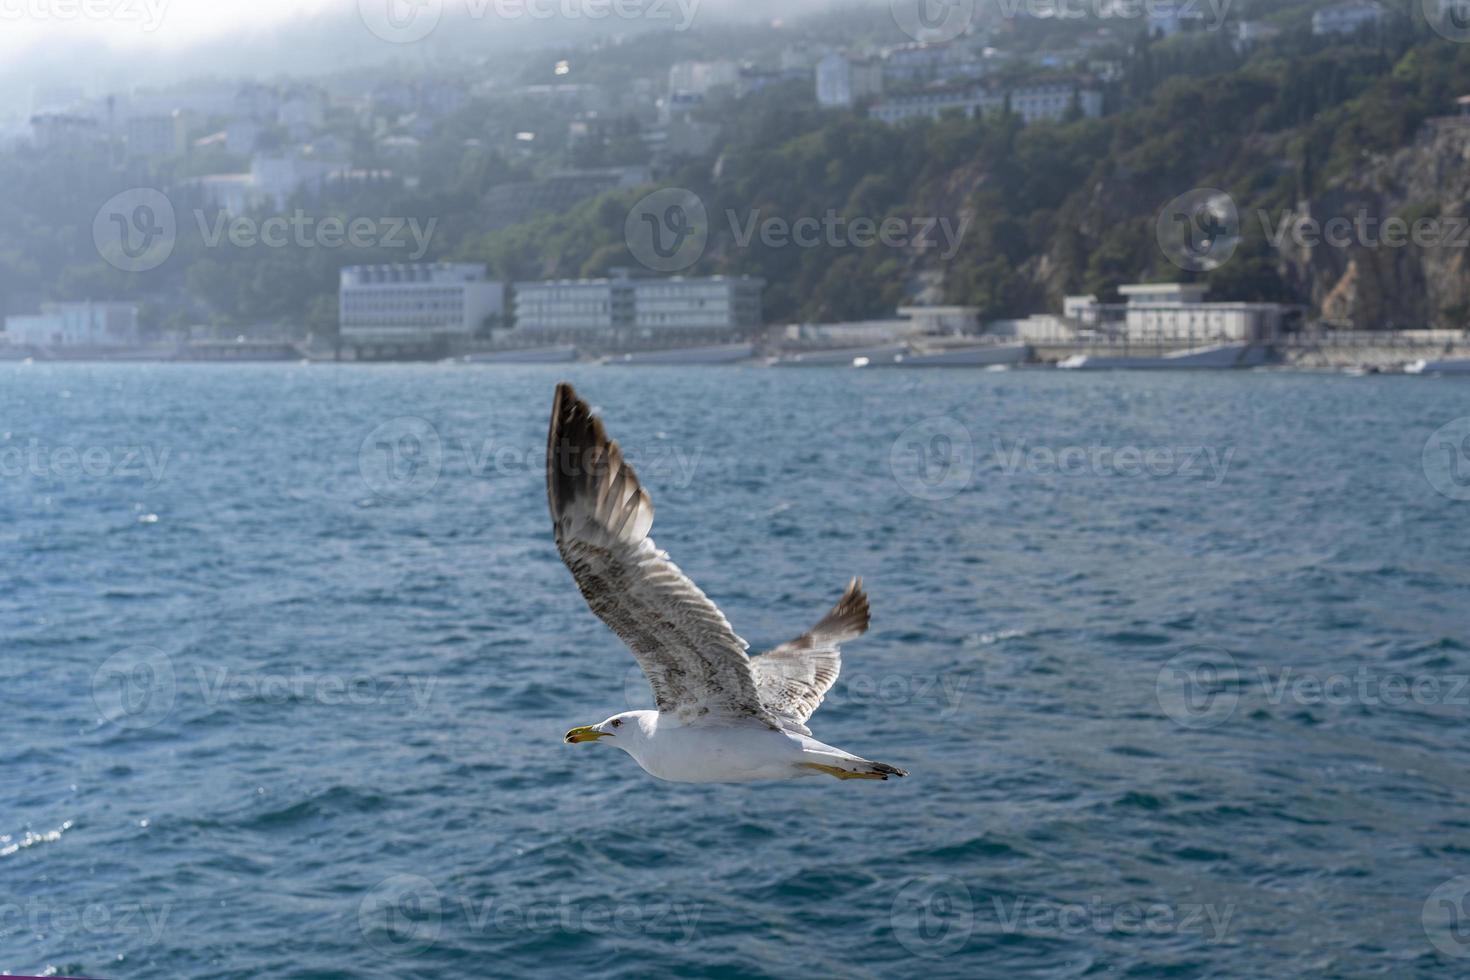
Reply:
x=722, y=716
x=734, y=753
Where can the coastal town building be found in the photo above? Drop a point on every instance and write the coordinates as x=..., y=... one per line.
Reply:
x=85, y=324
x=1033, y=103
x=1175, y=313
x=417, y=303
x=640, y=308
x=843, y=80
x=1346, y=18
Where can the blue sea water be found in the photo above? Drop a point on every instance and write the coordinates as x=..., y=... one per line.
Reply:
x=1177, y=664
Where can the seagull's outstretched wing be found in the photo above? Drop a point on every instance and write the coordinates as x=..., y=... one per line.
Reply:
x=793, y=678
x=601, y=515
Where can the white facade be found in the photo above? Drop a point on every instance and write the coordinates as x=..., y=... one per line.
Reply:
x=75, y=325
x=1036, y=102
x=1177, y=313
x=1346, y=18
x=160, y=136
x=1031, y=102
x=646, y=306
x=843, y=81
x=941, y=319
x=932, y=105
x=701, y=76
x=712, y=303
x=416, y=301
x=573, y=304
x=920, y=62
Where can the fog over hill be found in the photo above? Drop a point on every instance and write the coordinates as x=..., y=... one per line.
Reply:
x=145, y=48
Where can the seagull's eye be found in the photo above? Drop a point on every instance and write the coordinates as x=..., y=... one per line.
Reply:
x=617, y=723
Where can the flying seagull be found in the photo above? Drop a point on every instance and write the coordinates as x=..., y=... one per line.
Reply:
x=722, y=716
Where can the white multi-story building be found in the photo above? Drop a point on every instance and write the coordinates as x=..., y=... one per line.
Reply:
x=574, y=305
x=1052, y=100
x=416, y=302
x=1176, y=313
x=921, y=61
x=843, y=81
x=969, y=102
x=644, y=307
x=708, y=303
x=160, y=136
x=702, y=76
x=1346, y=18
x=84, y=324
x=1249, y=33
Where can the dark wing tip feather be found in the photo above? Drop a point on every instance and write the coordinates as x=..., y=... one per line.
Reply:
x=582, y=462
x=849, y=618
x=566, y=441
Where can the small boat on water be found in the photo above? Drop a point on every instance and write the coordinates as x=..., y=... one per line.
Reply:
x=556, y=354
x=845, y=357
x=1219, y=357
x=1454, y=365
x=715, y=354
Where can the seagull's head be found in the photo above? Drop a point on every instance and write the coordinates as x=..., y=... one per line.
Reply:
x=624, y=729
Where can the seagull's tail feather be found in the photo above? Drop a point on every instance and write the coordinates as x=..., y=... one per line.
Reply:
x=844, y=766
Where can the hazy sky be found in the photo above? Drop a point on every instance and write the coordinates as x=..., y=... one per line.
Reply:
x=172, y=24
x=145, y=23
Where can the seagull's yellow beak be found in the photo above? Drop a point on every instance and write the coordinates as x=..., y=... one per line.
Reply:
x=586, y=734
